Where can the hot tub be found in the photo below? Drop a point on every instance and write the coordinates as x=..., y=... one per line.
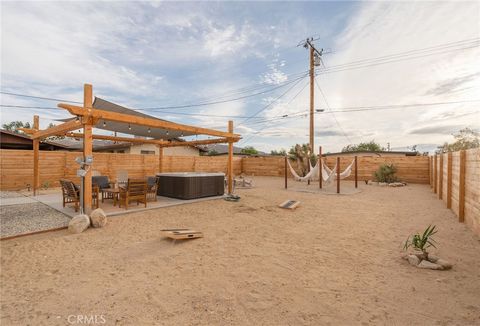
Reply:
x=191, y=185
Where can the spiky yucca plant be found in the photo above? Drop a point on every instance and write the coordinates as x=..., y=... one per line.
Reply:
x=421, y=242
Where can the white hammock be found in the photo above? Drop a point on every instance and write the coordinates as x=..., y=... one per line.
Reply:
x=327, y=174
x=310, y=175
x=330, y=174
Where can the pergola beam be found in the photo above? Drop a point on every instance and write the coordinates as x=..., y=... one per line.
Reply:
x=136, y=120
x=57, y=130
x=161, y=143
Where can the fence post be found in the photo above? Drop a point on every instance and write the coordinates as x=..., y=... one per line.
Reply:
x=435, y=173
x=461, y=190
x=440, y=178
x=430, y=170
x=286, y=177
x=338, y=175
x=449, y=180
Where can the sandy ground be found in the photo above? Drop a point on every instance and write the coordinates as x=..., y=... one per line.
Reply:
x=333, y=261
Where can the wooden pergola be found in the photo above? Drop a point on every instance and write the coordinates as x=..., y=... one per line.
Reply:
x=87, y=117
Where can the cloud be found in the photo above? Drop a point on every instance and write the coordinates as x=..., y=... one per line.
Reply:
x=436, y=129
x=451, y=85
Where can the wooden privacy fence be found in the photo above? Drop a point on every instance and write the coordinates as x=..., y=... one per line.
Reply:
x=16, y=166
x=412, y=169
x=455, y=178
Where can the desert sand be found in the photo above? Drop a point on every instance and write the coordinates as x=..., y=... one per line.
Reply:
x=336, y=260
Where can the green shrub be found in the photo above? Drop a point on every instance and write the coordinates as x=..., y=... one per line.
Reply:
x=386, y=173
x=421, y=242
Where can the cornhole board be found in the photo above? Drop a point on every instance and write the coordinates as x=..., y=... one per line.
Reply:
x=289, y=204
x=179, y=234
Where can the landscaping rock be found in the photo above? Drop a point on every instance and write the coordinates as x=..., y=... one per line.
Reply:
x=383, y=184
x=79, y=223
x=98, y=218
x=433, y=258
x=396, y=184
x=413, y=260
x=445, y=264
x=428, y=265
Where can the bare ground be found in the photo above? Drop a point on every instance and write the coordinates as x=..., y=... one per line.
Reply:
x=333, y=261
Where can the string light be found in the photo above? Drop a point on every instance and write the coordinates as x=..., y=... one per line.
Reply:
x=149, y=130
x=104, y=123
x=167, y=132
x=129, y=127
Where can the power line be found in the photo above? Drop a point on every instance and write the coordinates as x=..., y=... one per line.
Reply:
x=411, y=52
x=39, y=97
x=270, y=104
x=328, y=107
x=222, y=101
x=366, y=65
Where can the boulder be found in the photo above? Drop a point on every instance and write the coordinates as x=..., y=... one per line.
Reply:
x=98, y=218
x=396, y=184
x=428, y=265
x=413, y=260
x=445, y=264
x=79, y=223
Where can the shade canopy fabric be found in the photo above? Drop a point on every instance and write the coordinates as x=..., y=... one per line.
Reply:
x=132, y=129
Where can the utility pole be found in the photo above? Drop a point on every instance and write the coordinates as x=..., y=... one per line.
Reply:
x=315, y=59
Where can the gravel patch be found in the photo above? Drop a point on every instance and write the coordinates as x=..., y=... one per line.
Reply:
x=26, y=218
x=10, y=194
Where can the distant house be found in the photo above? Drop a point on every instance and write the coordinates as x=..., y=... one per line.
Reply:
x=13, y=140
x=108, y=146
x=372, y=154
x=222, y=149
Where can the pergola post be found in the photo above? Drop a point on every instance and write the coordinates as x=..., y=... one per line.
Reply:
x=36, y=152
x=230, y=159
x=160, y=159
x=87, y=149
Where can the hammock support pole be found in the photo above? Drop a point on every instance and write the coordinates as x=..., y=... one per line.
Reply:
x=356, y=173
x=338, y=175
x=320, y=169
x=286, y=182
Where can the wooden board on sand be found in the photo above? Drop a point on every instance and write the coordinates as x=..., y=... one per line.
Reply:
x=177, y=234
x=289, y=204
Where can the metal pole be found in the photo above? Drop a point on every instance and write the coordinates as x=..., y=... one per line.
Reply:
x=82, y=186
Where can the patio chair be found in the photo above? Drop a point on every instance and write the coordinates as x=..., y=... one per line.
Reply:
x=136, y=189
x=152, y=186
x=71, y=194
x=122, y=178
x=103, y=183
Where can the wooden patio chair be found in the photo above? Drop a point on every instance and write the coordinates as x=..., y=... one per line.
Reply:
x=152, y=186
x=122, y=178
x=71, y=194
x=136, y=189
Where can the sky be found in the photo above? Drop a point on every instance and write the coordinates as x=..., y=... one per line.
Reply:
x=399, y=73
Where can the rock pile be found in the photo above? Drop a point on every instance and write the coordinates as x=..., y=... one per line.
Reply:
x=430, y=262
x=81, y=222
x=386, y=184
